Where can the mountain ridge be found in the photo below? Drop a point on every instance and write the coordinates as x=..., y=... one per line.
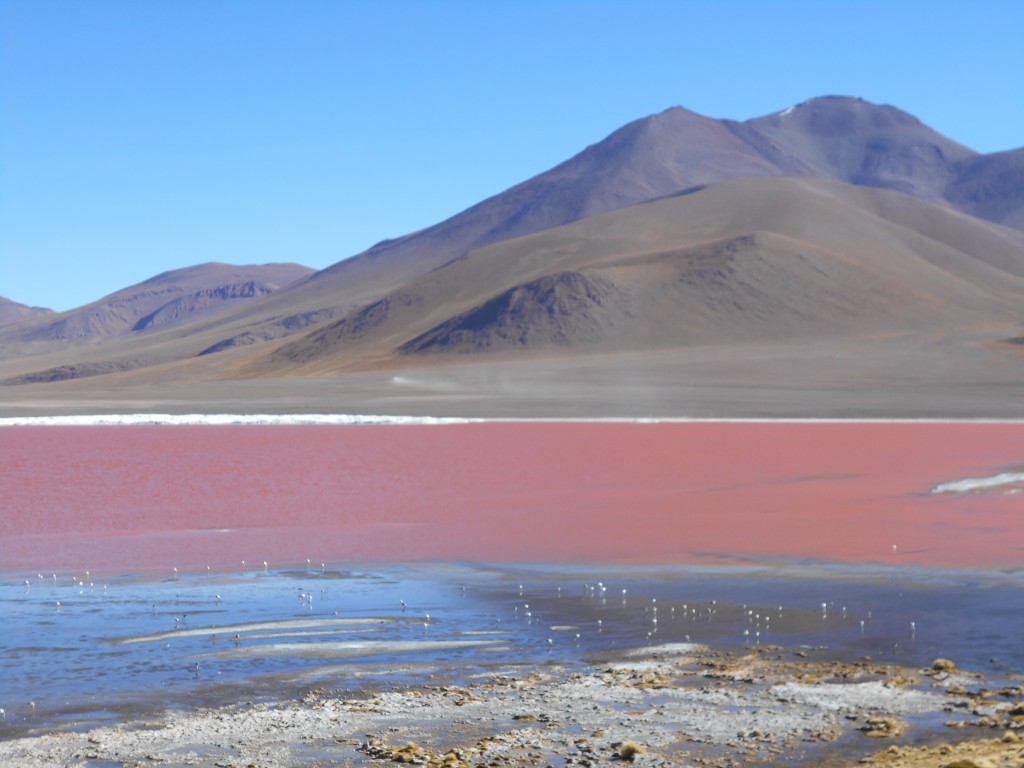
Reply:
x=166, y=298
x=13, y=312
x=662, y=154
x=650, y=157
x=760, y=215
x=799, y=193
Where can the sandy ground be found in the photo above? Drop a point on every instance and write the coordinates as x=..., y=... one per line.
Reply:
x=676, y=705
x=871, y=377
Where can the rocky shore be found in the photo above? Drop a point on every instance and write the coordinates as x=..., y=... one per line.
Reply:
x=668, y=705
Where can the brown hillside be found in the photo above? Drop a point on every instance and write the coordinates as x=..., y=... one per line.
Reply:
x=761, y=259
x=170, y=298
x=833, y=137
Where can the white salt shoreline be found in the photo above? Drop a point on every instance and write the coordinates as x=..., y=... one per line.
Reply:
x=267, y=419
x=676, y=704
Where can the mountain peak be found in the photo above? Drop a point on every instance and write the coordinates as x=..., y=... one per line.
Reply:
x=838, y=115
x=857, y=141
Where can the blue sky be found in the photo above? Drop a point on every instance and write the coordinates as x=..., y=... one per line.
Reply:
x=137, y=137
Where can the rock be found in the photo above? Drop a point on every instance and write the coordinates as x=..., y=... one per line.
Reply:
x=943, y=665
x=883, y=727
x=628, y=750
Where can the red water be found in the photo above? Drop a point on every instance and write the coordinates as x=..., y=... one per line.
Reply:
x=147, y=499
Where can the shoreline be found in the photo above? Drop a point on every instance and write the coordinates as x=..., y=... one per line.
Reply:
x=270, y=419
x=772, y=567
x=489, y=624
x=678, y=704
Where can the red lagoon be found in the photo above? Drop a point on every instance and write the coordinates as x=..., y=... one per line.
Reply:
x=152, y=498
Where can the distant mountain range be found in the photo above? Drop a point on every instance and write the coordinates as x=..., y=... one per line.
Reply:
x=171, y=298
x=833, y=225
x=12, y=312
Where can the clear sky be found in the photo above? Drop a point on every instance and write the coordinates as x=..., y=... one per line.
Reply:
x=137, y=137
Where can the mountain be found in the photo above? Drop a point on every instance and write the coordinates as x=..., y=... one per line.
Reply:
x=171, y=298
x=833, y=225
x=860, y=143
x=991, y=187
x=11, y=312
x=746, y=260
x=840, y=138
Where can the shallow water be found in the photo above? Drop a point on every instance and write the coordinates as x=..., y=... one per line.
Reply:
x=131, y=646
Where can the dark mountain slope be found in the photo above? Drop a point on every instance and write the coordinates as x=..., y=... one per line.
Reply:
x=861, y=143
x=991, y=187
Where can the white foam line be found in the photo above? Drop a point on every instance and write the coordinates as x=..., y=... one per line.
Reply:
x=671, y=648
x=980, y=483
x=319, y=633
x=216, y=419
x=342, y=650
x=251, y=627
x=228, y=419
